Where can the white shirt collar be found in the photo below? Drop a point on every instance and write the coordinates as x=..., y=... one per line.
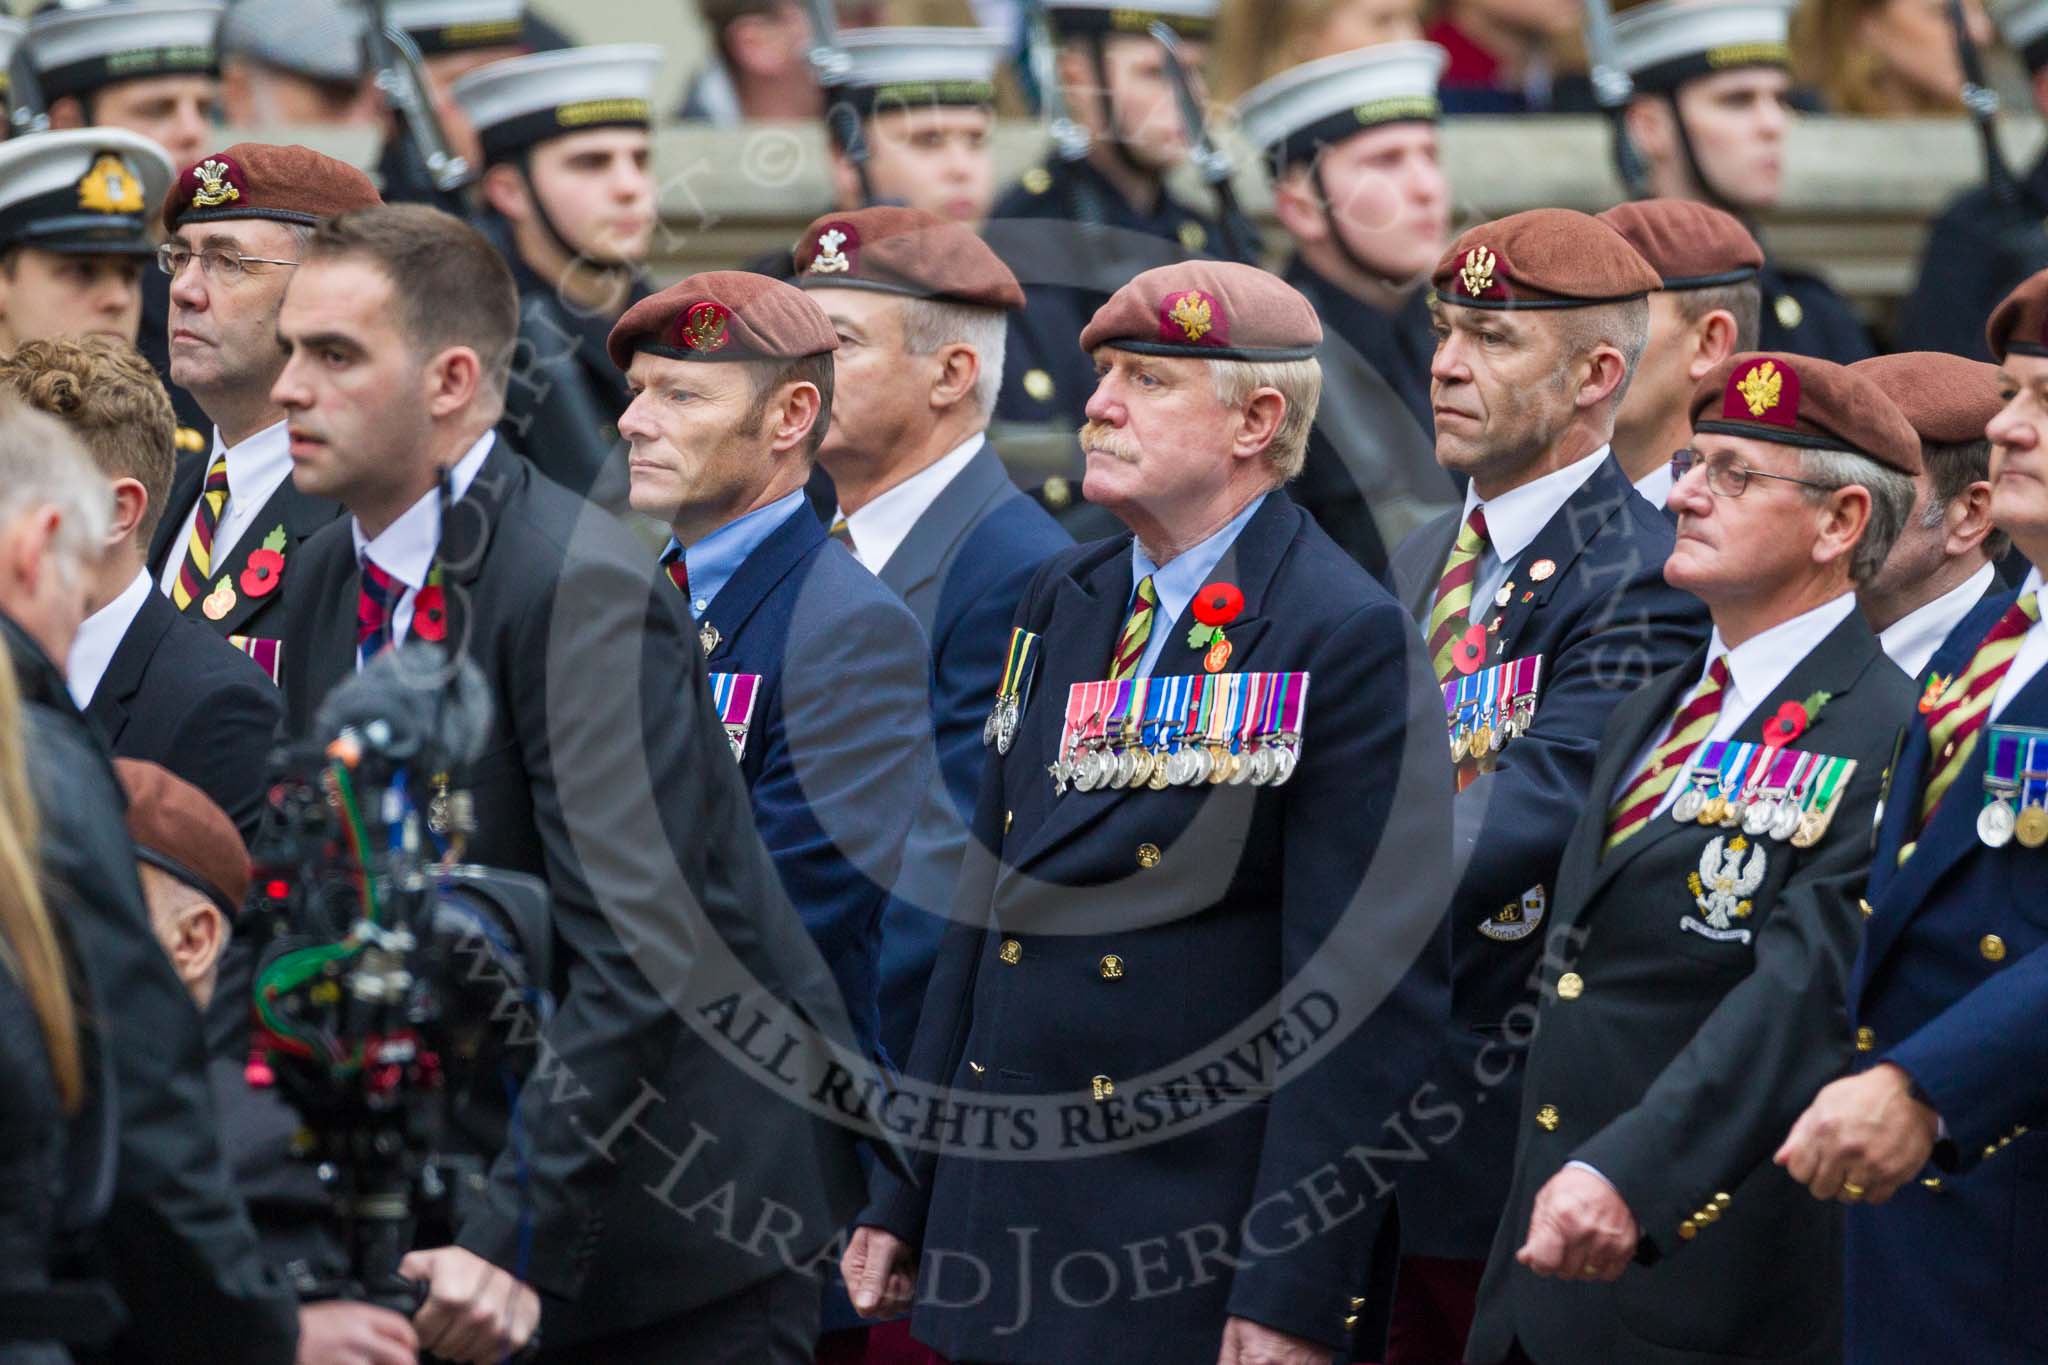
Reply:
x=406, y=548
x=1911, y=640
x=880, y=527
x=99, y=635
x=1514, y=518
x=1656, y=485
x=1758, y=665
x=259, y=464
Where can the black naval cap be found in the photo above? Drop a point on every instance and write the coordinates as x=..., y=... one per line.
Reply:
x=82, y=191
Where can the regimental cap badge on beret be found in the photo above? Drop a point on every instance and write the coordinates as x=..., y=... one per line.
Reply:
x=213, y=182
x=832, y=250
x=110, y=186
x=1762, y=391
x=1193, y=318
x=704, y=327
x=1478, y=274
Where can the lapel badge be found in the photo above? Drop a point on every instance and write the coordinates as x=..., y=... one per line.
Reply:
x=220, y=601
x=1505, y=595
x=1541, y=570
x=1517, y=919
x=708, y=637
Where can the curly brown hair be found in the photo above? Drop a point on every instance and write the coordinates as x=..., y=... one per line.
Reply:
x=113, y=402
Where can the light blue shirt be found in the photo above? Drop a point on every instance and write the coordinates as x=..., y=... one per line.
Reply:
x=1176, y=584
x=713, y=560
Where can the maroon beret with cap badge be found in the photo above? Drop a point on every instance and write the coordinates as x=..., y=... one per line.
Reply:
x=1690, y=245
x=1210, y=310
x=723, y=315
x=1544, y=258
x=178, y=829
x=1797, y=400
x=262, y=180
x=904, y=251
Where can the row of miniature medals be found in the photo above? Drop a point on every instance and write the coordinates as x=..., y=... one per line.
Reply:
x=2015, y=788
x=1485, y=710
x=1763, y=790
x=1181, y=731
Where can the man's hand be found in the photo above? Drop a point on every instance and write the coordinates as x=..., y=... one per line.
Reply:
x=880, y=1273
x=1861, y=1138
x=475, y=1312
x=1579, y=1229
x=339, y=1332
x=1247, y=1343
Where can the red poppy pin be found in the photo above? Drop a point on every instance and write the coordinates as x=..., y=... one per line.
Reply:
x=430, y=613
x=264, y=569
x=1215, y=606
x=1792, y=718
x=1468, y=651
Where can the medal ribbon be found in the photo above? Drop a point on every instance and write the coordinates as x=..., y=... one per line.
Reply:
x=1022, y=645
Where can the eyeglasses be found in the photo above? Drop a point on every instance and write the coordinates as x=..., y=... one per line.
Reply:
x=224, y=265
x=1727, y=476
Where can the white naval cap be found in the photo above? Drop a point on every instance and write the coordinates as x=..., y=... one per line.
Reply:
x=520, y=101
x=82, y=190
x=459, y=25
x=1297, y=113
x=2024, y=26
x=78, y=51
x=1665, y=43
x=1187, y=18
x=321, y=40
x=892, y=67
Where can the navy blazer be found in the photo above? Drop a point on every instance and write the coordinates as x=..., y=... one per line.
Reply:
x=962, y=571
x=1675, y=1063
x=300, y=514
x=1120, y=1006
x=1953, y=987
x=178, y=695
x=836, y=760
x=1604, y=622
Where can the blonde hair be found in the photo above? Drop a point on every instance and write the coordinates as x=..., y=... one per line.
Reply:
x=1300, y=383
x=28, y=938
x=1829, y=54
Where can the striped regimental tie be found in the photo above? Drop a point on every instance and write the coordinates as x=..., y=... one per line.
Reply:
x=375, y=605
x=1450, y=616
x=1130, y=645
x=198, y=566
x=678, y=572
x=843, y=533
x=1689, y=729
x=1953, y=724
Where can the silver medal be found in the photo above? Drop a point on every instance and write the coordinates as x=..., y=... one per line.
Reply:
x=1785, y=822
x=1995, y=824
x=1689, y=805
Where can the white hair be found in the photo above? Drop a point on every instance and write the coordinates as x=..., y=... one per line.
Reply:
x=1891, y=502
x=43, y=465
x=1300, y=383
x=929, y=324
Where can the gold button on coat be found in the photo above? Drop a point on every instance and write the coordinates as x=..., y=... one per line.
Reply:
x=1104, y=1087
x=1112, y=967
x=1570, y=986
x=1722, y=1201
x=1866, y=1039
x=1148, y=855
x=1546, y=1118
x=1012, y=952
x=1864, y=906
x=1688, y=1230
x=1993, y=948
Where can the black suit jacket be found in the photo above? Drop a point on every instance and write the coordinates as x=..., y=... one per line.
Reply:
x=606, y=772
x=176, y=1241
x=1168, y=942
x=1681, y=1062
x=179, y=695
x=300, y=514
x=1604, y=622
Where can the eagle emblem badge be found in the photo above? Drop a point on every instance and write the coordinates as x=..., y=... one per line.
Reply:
x=1731, y=870
x=1477, y=272
x=1761, y=388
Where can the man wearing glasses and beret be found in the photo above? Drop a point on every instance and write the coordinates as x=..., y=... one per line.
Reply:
x=1707, y=917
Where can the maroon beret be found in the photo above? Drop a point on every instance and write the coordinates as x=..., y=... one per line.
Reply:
x=178, y=829
x=1690, y=244
x=1545, y=258
x=1796, y=400
x=260, y=180
x=904, y=251
x=724, y=315
x=1949, y=400
x=2019, y=326
x=1211, y=310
